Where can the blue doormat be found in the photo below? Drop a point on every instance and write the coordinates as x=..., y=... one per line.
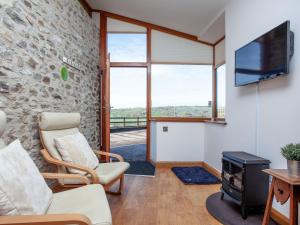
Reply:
x=195, y=175
x=141, y=168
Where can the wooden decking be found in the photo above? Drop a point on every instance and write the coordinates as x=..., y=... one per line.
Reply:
x=162, y=200
x=127, y=138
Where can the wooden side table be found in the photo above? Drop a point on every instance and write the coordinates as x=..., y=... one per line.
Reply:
x=284, y=187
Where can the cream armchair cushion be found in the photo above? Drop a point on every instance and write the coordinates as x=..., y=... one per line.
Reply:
x=58, y=121
x=89, y=200
x=110, y=171
x=23, y=191
x=75, y=149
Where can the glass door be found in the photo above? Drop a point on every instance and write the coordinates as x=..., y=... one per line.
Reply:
x=128, y=112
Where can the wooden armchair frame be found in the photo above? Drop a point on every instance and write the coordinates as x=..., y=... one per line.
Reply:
x=51, y=219
x=55, y=219
x=91, y=172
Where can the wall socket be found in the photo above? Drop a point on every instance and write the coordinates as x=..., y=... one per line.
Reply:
x=165, y=129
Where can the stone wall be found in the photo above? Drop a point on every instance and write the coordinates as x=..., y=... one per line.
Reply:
x=34, y=35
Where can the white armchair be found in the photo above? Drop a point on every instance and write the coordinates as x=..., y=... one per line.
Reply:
x=26, y=199
x=54, y=126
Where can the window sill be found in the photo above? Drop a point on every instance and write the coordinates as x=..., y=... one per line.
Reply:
x=221, y=122
x=179, y=119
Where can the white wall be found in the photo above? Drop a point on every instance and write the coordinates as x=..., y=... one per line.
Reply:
x=182, y=143
x=153, y=142
x=261, y=118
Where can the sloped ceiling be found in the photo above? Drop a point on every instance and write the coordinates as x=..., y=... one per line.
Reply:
x=214, y=31
x=194, y=17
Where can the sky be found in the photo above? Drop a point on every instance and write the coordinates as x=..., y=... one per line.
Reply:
x=181, y=85
x=128, y=87
x=172, y=85
x=127, y=47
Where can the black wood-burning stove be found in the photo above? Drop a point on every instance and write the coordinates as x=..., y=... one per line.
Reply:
x=243, y=180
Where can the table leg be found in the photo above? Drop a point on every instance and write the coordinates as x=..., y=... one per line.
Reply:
x=293, y=205
x=269, y=204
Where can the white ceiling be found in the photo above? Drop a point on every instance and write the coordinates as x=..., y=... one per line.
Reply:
x=215, y=30
x=190, y=16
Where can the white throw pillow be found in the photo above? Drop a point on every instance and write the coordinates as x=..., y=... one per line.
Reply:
x=74, y=148
x=23, y=191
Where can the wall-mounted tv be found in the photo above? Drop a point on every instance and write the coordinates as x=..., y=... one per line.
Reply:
x=266, y=57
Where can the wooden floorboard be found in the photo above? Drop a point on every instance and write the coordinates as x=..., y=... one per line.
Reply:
x=162, y=200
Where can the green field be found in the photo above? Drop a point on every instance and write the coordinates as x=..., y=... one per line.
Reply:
x=166, y=111
x=136, y=117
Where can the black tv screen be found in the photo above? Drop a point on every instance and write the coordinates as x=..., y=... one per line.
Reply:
x=264, y=58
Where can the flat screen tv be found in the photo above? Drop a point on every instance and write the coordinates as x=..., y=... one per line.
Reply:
x=266, y=57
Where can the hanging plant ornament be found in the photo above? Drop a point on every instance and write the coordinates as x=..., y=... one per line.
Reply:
x=64, y=73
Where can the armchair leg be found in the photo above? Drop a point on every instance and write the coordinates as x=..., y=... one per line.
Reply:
x=121, y=185
x=119, y=192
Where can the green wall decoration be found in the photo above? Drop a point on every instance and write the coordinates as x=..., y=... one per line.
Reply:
x=64, y=73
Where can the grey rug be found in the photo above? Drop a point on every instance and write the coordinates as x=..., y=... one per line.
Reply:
x=136, y=156
x=131, y=152
x=228, y=213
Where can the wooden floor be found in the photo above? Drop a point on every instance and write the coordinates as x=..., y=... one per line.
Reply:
x=162, y=200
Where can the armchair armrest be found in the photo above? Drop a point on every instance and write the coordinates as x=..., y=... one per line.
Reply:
x=111, y=155
x=54, y=219
x=66, y=176
x=50, y=159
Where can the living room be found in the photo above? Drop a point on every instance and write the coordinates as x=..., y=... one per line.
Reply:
x=60, y=69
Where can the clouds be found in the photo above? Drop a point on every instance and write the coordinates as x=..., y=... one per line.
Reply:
x=127, y=47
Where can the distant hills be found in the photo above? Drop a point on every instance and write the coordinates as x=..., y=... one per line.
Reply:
x=165, y=111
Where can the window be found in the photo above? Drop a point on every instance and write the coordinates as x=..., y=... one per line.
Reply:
x=127, y=47
x=221, y=91
x=128, y=88
x=181, y=91
x=128, y=99
x=182, y=73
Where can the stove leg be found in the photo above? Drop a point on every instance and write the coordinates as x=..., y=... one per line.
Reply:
x=244, y=211
x=222, y=196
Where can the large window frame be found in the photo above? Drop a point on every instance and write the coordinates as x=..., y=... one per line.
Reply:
x=149, y=27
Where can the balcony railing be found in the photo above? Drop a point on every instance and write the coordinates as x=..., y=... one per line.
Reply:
x=128, y=122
